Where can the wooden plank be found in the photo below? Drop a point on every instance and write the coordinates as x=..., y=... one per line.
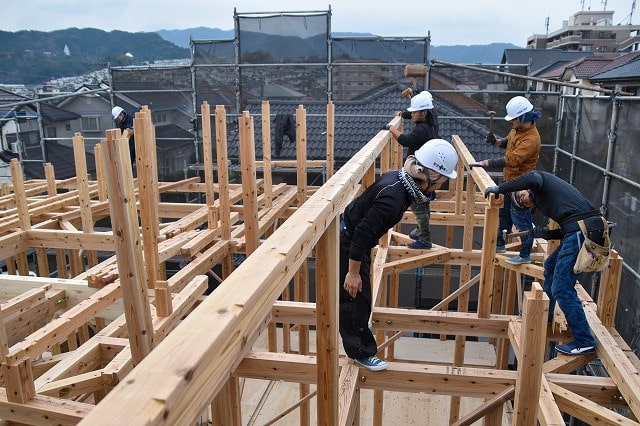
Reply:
x=400, y=376
x=42, y=410
x=585, y=410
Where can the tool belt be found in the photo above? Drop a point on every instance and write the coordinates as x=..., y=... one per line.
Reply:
x=594, y=225
x=594, y=252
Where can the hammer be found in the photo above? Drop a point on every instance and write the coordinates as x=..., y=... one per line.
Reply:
x=415, y=71
x=491, y=114
x=514, y=234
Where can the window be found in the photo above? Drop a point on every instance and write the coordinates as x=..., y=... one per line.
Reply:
x=67, y=126
x=91, y=124
x=160, y=117
x=52, y=132
x=586, y=48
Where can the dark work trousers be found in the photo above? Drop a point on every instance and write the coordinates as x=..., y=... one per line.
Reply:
x=284, y=126
x=357, y=338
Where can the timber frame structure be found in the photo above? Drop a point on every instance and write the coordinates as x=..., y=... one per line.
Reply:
x=120, y=342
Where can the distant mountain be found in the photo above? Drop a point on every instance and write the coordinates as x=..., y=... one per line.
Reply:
x=181, y=38
x=32, y=57
x=488, y=53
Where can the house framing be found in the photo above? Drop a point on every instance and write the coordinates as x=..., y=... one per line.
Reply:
x=118, y=341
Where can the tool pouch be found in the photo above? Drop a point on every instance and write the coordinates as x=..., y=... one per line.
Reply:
x=593, y=257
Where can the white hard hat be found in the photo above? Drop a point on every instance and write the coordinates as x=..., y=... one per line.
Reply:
x=116, y=111
x=517, y=106
x=421, y=101
x=440, y=156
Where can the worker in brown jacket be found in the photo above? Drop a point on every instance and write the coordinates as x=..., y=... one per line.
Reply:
x=522, y=146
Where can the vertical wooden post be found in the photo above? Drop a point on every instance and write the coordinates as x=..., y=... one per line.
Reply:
x=164, y=306
x=61, y=257
x=23, y=210
x=609, y=290
x=301, y=279
x=301, y=154
x=148, y=192
x=18, y=381
x=446, y=275
x=331, y=113
x=266, y=153
x=534, y=329
x=249, y=187
x=124, y=219
x=223, y=184
x=226, y=407
x=488, y=253
x=327, y=277
x=465, y=275
x=19, y=194
x=84, y=198
x=207, y=150
x=100, y=179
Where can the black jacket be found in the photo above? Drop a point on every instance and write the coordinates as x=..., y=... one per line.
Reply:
x=555, y=198
x=379, y=208
x=421, y=133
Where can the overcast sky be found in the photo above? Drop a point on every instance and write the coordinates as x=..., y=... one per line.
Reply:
x=465, y=22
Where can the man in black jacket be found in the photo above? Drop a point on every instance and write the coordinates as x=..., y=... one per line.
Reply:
x=124, y=122
x=365, y=220
x=563, y=203
x=421, y=113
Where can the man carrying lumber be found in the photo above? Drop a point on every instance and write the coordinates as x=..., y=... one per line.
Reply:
x=578, y=219
x=365, y=220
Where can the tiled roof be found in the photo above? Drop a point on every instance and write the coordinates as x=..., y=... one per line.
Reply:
x=8, y=97
x=539, y=58
x=62, y=159
x=586, y=67
x=356, y=122
x=624, y=67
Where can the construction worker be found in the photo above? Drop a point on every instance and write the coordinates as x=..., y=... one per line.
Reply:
x=522, y=146
x=124, y=122
x=364, y=221
x=425, y=128
x=563, y=203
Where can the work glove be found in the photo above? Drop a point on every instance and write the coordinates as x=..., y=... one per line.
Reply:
x=491, y=190
x=483, y=163
x=539, y=232
x=490, y=139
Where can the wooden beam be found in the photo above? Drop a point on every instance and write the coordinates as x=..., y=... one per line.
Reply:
x=535, y=312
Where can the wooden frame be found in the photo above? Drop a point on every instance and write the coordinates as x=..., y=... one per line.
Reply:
x=118, y=341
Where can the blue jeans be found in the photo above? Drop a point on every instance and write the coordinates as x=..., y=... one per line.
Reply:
x=559, y=284
x=422, y=212
x=510, y=215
